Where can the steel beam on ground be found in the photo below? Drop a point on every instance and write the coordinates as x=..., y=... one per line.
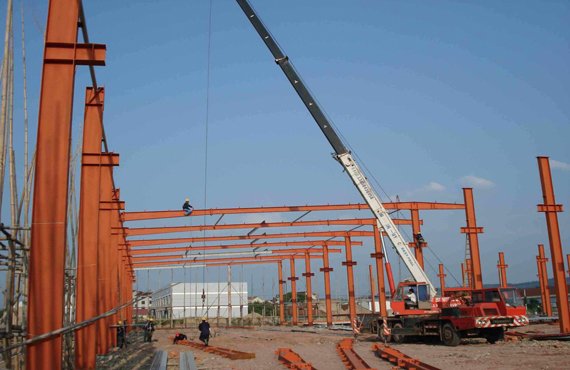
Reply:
x=153, y=215
x=315, y=234
x=472, y=230
x=50, y=198
x=502, y=270
x=551, y=209
x=307, y=243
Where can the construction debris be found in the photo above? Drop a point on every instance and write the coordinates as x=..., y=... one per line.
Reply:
x=292, y=360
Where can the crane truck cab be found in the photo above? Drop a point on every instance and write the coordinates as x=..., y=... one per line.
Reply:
x=483, y=313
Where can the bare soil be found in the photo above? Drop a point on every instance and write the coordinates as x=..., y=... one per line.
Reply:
x=319, y=349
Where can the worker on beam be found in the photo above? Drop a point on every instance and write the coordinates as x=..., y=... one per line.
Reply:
x=187, y=207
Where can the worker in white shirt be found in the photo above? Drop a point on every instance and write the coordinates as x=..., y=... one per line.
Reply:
x=411, y=299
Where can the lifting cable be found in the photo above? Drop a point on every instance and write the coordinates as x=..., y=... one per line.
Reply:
x=206, y=147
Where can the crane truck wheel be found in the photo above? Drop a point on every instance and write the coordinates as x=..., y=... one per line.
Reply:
x=494, y=335
x=398, y=338
x=449, y=336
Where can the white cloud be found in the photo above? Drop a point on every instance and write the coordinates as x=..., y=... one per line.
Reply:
x=476, y=182
x=560, y=165
x=432, y=186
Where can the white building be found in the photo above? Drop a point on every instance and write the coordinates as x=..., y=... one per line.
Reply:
x=185, y=300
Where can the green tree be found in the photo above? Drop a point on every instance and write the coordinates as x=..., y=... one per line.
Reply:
x=301, y=297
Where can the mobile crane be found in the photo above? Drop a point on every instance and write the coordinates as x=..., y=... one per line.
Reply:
x=488, y=311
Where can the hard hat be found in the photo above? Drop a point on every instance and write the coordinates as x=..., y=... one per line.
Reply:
x=120, y=322
x=151, y=319
x=148, y=319
x=203, y=319
x=177, y=334
x=187, y=200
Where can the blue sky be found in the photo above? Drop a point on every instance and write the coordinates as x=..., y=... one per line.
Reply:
x=432, y=96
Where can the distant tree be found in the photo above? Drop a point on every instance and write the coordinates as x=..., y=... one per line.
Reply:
x=301, y=297
x=257, y=307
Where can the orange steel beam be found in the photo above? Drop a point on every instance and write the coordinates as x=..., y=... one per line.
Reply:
x=281, y=303
x=550, y=209
x=62, y=54
x=543, y=279
x=91, y=166
x=307, y=274
x=315, y=234
x=293, y=280
x=227, y=260
x=502, y=270
x=468, y=273
x=472, y=230
x=379, y=256
x=350, y=280
x=136, y=252
x=418, y=247
x=198, y=258
x=568, y=257
x=153, y=215
x=179, y=229
x=441, y=277
x=327, y=270
x=373, y=303
x=463, y=273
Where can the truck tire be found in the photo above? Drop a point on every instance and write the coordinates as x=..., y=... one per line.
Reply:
x=449, y=336
x=494, y=335
x=398, y=338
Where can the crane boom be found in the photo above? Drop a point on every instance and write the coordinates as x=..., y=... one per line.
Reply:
x=343, y=155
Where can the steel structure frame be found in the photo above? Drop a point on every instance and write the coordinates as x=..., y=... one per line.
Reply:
x=502, y=267
x=543, y=280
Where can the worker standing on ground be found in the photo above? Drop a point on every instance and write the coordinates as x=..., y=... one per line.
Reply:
x=204, y=328
x=179, y=336
x=187, y=207
x=148, y=330
x=121, y=335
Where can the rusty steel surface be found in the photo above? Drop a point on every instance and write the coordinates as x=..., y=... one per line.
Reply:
x=502, y=266
x=291, y=360
x=379, y=256
x=308, y=243
x=472, y=230
x=349, y=357
x=87, y=287
x=179, y=229
x=153, y=215
x=543, y=280
x=550, y=209
x=224, y=352
x=50, y=197
x=314, y=234
x=399, y=359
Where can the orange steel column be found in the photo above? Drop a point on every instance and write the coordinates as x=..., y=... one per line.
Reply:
x=309, y=301
x=568, y=257
x=418, y=249
x=380, y=271
x=281, y=302
x=543, y=278
x=350, y=279
x=327, y=270
x=116, y=206
x=293, y=280
x=550, y=209
x=502, y=270
x=373, y=303
x=105, y=299
x=468, y=273
x=472, y=230
x=49, y=219
x=463, y=273
x=441, y=277
x=88, y=227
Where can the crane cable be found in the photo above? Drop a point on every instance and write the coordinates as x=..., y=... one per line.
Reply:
x=206, y=147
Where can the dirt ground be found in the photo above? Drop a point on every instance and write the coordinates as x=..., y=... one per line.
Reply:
x=319, y=349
